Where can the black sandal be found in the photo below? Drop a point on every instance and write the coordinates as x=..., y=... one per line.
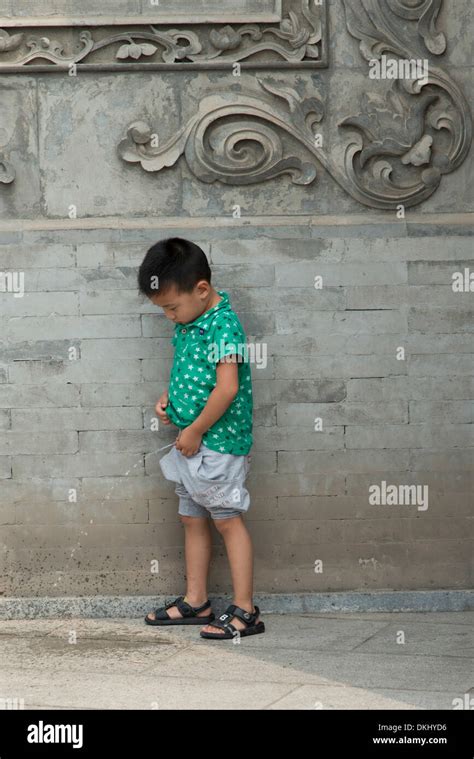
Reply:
x=250, y=619
x=189, y=614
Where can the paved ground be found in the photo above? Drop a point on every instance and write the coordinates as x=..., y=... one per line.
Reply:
x=303, y=661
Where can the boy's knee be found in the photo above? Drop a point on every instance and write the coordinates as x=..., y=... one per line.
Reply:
x=226, y=524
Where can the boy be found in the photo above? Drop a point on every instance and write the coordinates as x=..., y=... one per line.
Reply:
x=210, y=400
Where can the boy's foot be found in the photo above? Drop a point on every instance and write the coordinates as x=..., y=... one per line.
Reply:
x=175, y=613
x=238, y=624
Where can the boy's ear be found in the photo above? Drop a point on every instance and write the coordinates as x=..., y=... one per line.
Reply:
x=203, y=287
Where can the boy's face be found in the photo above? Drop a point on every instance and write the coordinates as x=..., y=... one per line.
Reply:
x=182, y=308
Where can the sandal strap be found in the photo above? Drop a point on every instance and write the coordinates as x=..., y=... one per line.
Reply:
x=186, y=609
x=247, y=617
x=203, y=606
x=223, y=624
x=171, y=602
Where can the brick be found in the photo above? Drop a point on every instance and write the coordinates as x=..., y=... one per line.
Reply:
x=302, y=391
x=102, y=537
x=120, y=487
x=89, y=513
x=39, y=304
x=39, y=396
x=295, y=484
x=305, y=367
x=127, y=348
x=372, y=460
x=447, y=320
x=20, y=258
x=40, y=350
x=410, y=436
x=33, y=441
x=438, y=344
x=411, y=388
x=78, y=465
x=239, y=275
x=439, y=248
x=454, y=460
x=32, y=372
x=437, y=272
x=95, y=254
x=75, y=328
x=268, y=251
x=346, y=322
x=64, y=280
x=300, y=414
x=448, y=412
x=452, y=363
x=293, y=439
x=120, y=440
x=78, y=419
x=107, y=302
x=39, y=491
x=299, y=274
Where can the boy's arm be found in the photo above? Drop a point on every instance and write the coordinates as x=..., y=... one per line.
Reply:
x=227, y=387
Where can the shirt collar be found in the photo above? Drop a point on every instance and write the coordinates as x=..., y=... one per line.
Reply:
x=205, y=319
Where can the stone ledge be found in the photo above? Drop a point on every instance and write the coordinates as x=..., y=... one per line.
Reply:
x=92, y=607
x=381, y=219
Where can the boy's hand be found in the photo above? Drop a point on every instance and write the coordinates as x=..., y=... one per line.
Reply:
x=188, y=441
x=160, y=406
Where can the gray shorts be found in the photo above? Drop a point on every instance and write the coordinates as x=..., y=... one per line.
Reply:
x=209, y=483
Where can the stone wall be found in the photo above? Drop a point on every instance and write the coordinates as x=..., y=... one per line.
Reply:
x=368, y=379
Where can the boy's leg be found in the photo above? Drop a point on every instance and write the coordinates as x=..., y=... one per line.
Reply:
x=198, y=549
x=239, y=549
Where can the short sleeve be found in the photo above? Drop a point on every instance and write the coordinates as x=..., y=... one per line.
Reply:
x=227, y=339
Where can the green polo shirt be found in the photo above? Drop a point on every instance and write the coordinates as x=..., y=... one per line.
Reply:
x=198, y=346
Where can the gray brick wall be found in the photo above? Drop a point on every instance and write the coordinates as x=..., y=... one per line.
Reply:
x=84, y=508
x=83, y=425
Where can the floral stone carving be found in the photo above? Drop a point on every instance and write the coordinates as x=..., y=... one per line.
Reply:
x=401, y=142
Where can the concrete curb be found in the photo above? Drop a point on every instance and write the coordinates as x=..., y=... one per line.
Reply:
x=93, y=607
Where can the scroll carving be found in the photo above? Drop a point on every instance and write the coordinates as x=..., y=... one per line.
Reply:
x=402, y=141
x=298, y=39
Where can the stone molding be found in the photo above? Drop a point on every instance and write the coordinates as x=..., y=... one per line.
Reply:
x=295, y=37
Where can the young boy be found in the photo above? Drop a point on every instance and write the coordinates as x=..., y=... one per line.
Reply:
x=210, y=400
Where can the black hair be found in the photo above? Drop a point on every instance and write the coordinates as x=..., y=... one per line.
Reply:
x=173, y=262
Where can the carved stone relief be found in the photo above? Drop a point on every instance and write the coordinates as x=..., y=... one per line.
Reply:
x=396, y=153
x=7, y=172
x=406, y=134
x=295, y=36
x=399, y=155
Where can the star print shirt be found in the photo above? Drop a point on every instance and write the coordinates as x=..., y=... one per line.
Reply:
x=198, y=347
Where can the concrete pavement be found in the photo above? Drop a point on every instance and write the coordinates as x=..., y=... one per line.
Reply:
x=303, y=661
